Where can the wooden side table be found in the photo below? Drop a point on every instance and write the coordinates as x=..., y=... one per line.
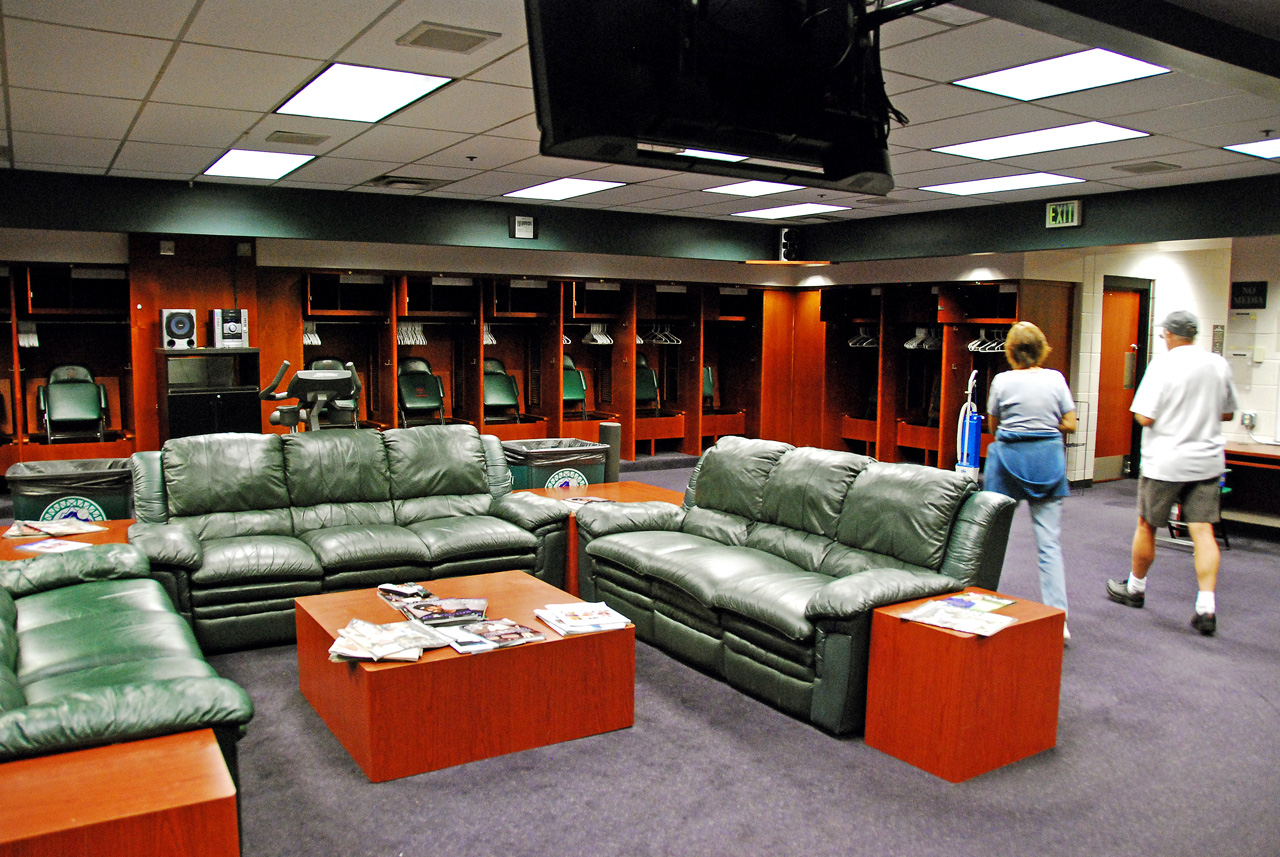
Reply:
x=958, y=705
x=116, y=532
x=170, y=796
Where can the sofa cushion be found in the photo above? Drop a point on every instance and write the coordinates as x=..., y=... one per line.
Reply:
x=773, y=594
x=806, y=489
x=365, y=546
x=331, y=467
x=804, y=550
x=732, y=474
x=106, y=638
x=228, y=472
x=904, y=511
x=91, y=599
x=8, y=631
x=110, y=675
x=449, y=539
x=256, y=559
x=842, y=561
x=430, y=461
x=11, y=695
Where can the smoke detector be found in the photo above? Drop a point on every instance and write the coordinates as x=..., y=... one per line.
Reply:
x=405, y=183
x=443, y=37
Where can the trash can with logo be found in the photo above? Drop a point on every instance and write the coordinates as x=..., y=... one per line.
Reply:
x=555, y=462
x=91, y=489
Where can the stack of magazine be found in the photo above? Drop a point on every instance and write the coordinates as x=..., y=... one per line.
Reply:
x=396, y=641
x=60, y=527
x=581, y=618
x=971, y=612
x=415, y=602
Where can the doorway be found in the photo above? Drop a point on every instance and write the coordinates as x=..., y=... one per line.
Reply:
x=1126, y=308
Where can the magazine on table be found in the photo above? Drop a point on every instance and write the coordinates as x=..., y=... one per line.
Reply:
x=503, y=632
x=970, y=613
x=394, y=641
x=397, y=594
x=464, y=641
x=584, y=500
x=60, y=527
x=52, y=546
x=581, y=618
x=445, y=611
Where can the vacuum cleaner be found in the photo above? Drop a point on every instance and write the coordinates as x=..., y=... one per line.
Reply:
x=969, y=434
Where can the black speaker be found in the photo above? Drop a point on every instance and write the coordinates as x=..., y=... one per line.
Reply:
x=178, y=328
x=788, y=250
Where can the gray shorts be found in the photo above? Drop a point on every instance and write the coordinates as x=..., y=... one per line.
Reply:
x=1200, y=500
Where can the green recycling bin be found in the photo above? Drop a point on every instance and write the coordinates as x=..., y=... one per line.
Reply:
x=554, y=462
x=90, y=489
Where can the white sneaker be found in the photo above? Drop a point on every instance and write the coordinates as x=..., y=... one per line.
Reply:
x=1066, y=634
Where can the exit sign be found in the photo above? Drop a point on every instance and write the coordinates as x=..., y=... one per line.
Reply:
x=1059, y=214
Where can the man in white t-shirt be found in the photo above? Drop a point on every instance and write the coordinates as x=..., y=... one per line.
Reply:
x=1185, y=396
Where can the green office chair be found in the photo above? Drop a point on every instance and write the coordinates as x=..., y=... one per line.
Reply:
x=648, y=398
x=338, y=413
x=575, y=390
x=501, y=398
x=708, y=390
x=421, y=393
x=72, y=406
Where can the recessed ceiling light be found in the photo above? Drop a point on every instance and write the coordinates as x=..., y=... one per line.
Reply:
x=359, y=94
x=563, y=189
x=1072, y=73
x=246, y=164
x=753, y=188
x=1046, y=140
x=799, y=210
x=1019, y=182
x=1269, y=148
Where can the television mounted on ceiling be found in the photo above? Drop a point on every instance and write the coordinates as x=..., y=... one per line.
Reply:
x=777, y=90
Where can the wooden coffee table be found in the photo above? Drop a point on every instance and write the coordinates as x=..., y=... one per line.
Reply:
x=116, y=532
x=400, y=719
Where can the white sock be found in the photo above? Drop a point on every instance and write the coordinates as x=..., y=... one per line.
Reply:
x=1205, y=602
x=1137, y=585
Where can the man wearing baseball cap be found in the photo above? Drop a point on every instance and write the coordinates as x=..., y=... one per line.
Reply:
x=1185, y=396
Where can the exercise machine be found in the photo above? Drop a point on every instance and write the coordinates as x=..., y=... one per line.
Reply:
x=330, y=393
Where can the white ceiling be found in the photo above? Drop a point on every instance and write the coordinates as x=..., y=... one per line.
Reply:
x=162, y=88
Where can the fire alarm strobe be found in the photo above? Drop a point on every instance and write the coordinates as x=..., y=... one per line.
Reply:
x=178, y=327
x=230, y=327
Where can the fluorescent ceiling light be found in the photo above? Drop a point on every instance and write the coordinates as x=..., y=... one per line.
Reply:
x=1261, y=149
x=1019, y=182
x=799, y=210
x=359, y=94
x=753, y=188
x=1072, y=73
x=1046, y=140
x=246, y=164
x=563, y=189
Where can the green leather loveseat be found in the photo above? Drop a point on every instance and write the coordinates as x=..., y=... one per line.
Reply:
x=239, y=525
x=92, y=653
x=768, y=573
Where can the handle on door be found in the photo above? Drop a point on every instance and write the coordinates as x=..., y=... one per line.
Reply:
x=1131, y=367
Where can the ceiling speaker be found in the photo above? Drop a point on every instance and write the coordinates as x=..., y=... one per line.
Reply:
x=178, y=328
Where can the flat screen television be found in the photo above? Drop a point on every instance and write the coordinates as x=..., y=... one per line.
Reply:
x=790, y=88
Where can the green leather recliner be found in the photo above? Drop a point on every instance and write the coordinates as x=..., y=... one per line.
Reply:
x=768, y=573
x=92, y=652
x=238, y=525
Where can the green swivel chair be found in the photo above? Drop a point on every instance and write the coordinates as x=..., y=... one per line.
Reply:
x=72, y=406
x=648, y=398
x=575, y=391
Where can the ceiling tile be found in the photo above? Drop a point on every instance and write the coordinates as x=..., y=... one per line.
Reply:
x=545, y=165
x=895, y=84
x=626, y=173
x=148, y=174
x=467, y=105
x=988, y=45
x=61, y=150
x=483, y=152
x=1203, y=114
x=942, y=101
x=289, y=182
x=273, y=27
x=624, y=195
x=427, y=171
x=178, y=123
x=492, y=183
x=693, y=181
x=396, y=143
x=90, y=63
x=77, y=115
x=912, y=161
x=342, y=170
x=244, y=80
x=1137, y=96
x=1105, y=153
x=159, y=18
x=163, y=157
x=1255, y=167
x=524, y=128
x=337, y=130
x=971, y=171
x=908, y=29
x=377, y=47
x=512, y=70
x=1013, y=119
x=1233, y=133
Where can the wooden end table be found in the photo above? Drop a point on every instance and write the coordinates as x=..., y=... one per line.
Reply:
x=170, y=796
x=400, y=719
x=958, y=705
x=116, y=532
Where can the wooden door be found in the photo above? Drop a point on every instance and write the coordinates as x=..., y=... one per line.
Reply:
x=1117, y=380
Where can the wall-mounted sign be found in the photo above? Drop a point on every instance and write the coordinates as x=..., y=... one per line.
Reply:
x=1063, y=213
x=1249, y=295
x=522, y=226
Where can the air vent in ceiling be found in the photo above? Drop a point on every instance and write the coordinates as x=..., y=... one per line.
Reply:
x=442, y=37
x=406, y=183
x=879, y=200
x=824, y=218
x=1146, y=167
x=296, y=138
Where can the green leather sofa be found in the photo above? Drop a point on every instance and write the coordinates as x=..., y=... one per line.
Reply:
x=237, y=526
x=768, y=573
x=92, y=653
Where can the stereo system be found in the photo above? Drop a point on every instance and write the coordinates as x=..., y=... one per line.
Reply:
x=230, y=328
x=178, y=328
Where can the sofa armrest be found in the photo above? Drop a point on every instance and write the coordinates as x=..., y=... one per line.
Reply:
x=529, y=511
x=979, y=538
x=53, y=571
x=603, y=519
x=864, y=591
x=106, y=715
x=168, y=544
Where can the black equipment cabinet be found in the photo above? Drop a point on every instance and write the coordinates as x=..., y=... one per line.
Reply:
x=208, y=390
